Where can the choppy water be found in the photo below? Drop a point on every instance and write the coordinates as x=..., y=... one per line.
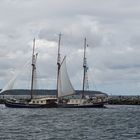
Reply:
x=113, y=123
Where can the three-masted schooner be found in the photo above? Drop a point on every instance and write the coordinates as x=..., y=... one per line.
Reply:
x=65, y=91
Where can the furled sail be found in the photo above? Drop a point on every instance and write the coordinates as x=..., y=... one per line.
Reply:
x=64, y=85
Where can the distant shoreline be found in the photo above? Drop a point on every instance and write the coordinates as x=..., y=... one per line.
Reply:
x=112, y=99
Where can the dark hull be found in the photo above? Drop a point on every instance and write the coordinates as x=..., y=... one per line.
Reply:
x=52, y=105
x=96, y=105
x=26, y=105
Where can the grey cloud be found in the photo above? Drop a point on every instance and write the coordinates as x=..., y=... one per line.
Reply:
x=112, y=31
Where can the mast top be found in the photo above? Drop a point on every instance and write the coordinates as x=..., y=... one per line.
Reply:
x=58, y=57
x=33, y=68
x=58, y=61
x=85, y=66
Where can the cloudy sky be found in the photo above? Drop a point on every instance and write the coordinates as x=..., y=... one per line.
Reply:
x=112, y=29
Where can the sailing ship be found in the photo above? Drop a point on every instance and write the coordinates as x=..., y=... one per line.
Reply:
x=32, y=102
x=65, y=96
x=66, y=92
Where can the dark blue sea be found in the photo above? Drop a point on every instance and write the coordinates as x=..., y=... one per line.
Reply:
x=111, y=123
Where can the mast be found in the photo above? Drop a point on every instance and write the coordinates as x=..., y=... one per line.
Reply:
x=84, y=66
x=33, y=68
x=58, y=61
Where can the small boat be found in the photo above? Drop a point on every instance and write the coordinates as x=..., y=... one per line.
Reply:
x=66, y=92
x=32, y=102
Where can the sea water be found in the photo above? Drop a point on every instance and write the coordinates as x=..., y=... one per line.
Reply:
x=111, y=123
